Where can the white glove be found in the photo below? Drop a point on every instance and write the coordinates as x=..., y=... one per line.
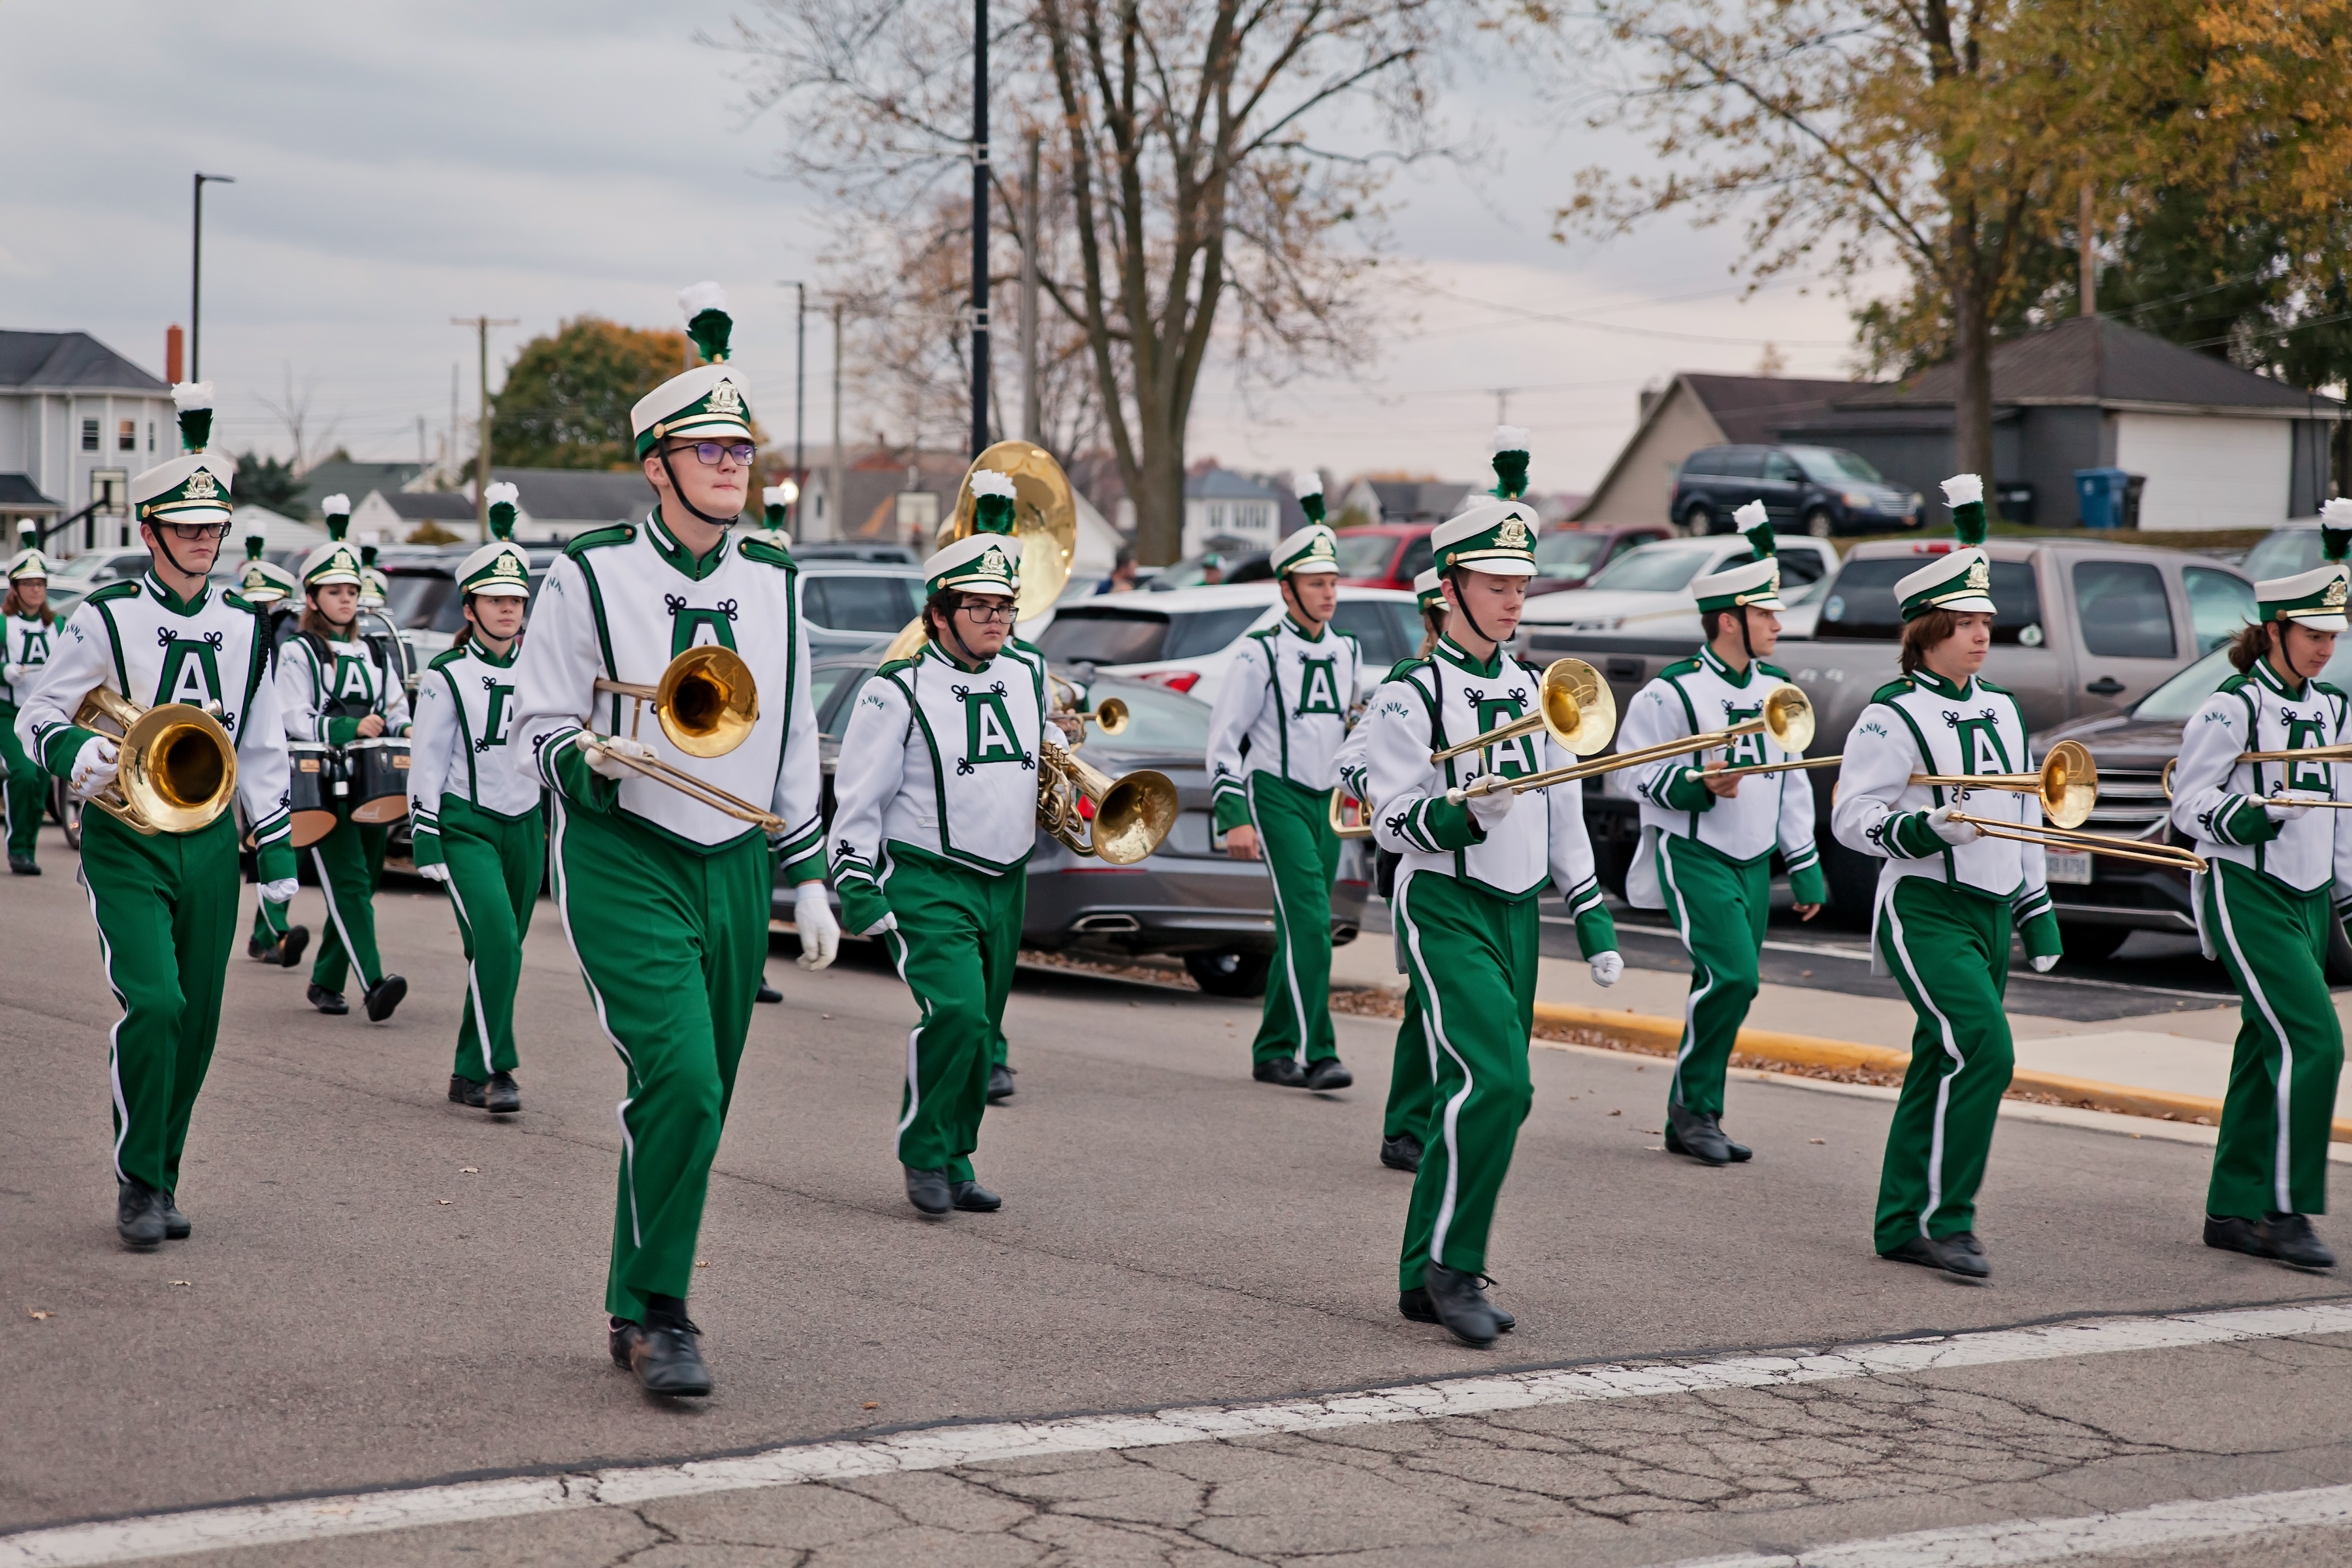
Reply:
x=1607, y=967
x=602, y=749
x=2278, y=813
x=1489, y=809
x=1952, y=832
x=281, y=892
x=2042, y=965
x=887, y=923
x=17, y=673
x=819, y=932
x=93, y=767
x=436, y=872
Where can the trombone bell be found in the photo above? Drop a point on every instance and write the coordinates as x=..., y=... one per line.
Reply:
x=1571, y=701
x=707, y=701
x=2068, y=784
x=177, y=767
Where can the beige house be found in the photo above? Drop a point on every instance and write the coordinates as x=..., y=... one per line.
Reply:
x=1698, y=410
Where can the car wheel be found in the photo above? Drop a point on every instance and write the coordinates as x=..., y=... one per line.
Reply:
x=1698, y=520
x=1820, y=524
x=2093, y=942
x=1229, y=971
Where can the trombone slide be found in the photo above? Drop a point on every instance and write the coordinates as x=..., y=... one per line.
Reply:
x=687, y=784
x=1362, y=828
x=1792, y=765
x=2179, y=859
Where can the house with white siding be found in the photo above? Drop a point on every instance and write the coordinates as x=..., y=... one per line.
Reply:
x=77, y=420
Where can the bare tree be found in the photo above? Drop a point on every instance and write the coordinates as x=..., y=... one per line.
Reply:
x=293, y=411
x=1197, y=215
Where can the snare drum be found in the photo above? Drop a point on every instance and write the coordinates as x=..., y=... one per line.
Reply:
x=309, y=794
x=378, y=770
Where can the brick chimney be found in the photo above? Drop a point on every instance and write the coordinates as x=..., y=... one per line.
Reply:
x=175, y=354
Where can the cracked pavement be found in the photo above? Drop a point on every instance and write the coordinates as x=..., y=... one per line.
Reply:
x=1174, y=1235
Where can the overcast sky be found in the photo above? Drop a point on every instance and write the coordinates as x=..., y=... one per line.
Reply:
x=398, y=165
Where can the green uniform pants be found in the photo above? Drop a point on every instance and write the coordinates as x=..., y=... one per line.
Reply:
x=166, y=913
x=28, y=791
x=671, y=943
x=495, y=864
x=2276, y=1116
x=1410, y=1086
x=958, y=939
x=270, y=921
x=1720, y=906
x=1474, y=972
x=1302, y=857
x=1949, y=949
x=347, y=862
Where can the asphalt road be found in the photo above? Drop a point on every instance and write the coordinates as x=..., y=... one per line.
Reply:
x=385, y=1292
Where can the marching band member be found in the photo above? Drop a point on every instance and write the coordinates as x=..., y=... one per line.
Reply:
x=266, y=585
x=2264, y=908
x=1705, y=854
x=665, y=897
x=936, y=814
x=166, y=903
x=29, y=630
x=1465, y=899
x=337, y=688
x=375, y=588
x=475, y=825
x=1948, y=896
x=1278, y=723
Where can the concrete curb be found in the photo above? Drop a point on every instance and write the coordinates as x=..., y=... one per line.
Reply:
x=1769, y=1048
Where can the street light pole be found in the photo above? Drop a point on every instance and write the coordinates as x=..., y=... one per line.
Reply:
x=196, y=276
x=979, y=226
x=800, y=393
x=482, y=325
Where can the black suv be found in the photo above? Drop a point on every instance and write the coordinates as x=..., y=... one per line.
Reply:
x=1819, y=490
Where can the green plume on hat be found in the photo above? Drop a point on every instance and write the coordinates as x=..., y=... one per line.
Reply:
x=775, y=499
x=1510, y=462
x=194, y=399
x=1757, y=527
x=1311, y=494
x=502, y=498
x=254, y=544
x=367, y=554
x=707, y=320
x=991, y=502
x=1964, y=493
x=29, y=533
x=2335, y=530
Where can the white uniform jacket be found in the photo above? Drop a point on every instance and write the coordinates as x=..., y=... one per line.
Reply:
x=1773, y=811
x=458, y=743
x=1283, y=711
x=1924, y=724
x=325, y=688
x=621, y=603
x=137, y=639
x=28, y=643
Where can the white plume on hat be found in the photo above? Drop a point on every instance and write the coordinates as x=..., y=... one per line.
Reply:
x=780, y=495
x=1961, y=489
x=337, y=505
x=190, y=394
x=1309, y=483
x=989, y=482
x=1512, y=438
x=501, y=494
x=1748, y=516
x=700, y=297
x=2337, y=513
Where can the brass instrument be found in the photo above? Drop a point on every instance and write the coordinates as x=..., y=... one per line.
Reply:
x=2340, y=752
x=1571, y=701
x=1788, y=718
x=175, y=769
x=1359, y=828
x=1130, y=816
x=707, y=703
x=2068, y=786
x=1046, y=522
x=2266, y=799
x=1110, y=716
x=1793, y=765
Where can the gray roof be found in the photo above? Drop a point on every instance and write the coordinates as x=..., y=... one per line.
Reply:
x=352, y=479
x=18, y=493
x=577, y=495
x=1749, y=408
x=1224, y=484
x=76, y=361
x=1412, y=501
x=2089, y=360
x=441, y=506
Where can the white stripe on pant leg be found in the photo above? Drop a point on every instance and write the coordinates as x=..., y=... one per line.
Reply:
x=896, y=945
x=1433, y=1019
x=1284, y=926
x=473, y=972
x=1944, y=1081
x=561, y=820
x=2286, y=1051
x=113, y=1036
x=1690, y=1002
x=326, y=889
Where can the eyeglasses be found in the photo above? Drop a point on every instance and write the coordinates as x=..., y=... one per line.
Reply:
x=708, y=453
x=985, y=614
x=195, y=533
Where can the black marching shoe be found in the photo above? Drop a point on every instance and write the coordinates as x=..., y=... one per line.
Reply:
x=2288, y=1238
x=928, y=1191
x=1282, y=1070
x=331, y=1003
x=1692, y=1133
x=290, y=945
x=175, y=1223
x=1458, y=1303
x=1328, y=1074
x=767, y=992
x=138, y=1217
x=503, y=1095
x=973, y=1198
x=254, y=949
x=1957, y=1255
x=22, y=866
x=666, y=1360
x=466, y=1091
x=1401, y=1152
x=999, y=1084
x=1413, y=1305
x=382, y=996
x=621, y=1341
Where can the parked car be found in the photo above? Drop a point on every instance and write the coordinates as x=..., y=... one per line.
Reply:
x=1821, y=492
x=1646, y=591
x=851, y=605
x=1384, y=555
x=1188, y=899
x=1570, y=556
x=854, y=550
x=1236, y=566
x=2084, y=630
x=2286, y=552
x=1185, y=638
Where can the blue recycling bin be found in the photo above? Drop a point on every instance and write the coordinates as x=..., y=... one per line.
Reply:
x=2099, y=496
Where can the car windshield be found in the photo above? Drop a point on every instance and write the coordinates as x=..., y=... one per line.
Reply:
x=2286, y=553
x=1105, y=634
x=2179, y=699
x=1365, y=554
x=1654, y=568
x=1569, y=555
x=420, y=601
x=1834, y=465
x=1862, y=601
x=849, y=603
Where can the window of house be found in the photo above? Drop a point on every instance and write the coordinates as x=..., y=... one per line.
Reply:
x=126, y=435
x=89, y=435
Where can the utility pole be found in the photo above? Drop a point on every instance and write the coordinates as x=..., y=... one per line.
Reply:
x=196, y=276
x=1032, y=401
x=837, y=490
x=800, y=395
x=2090, y=260
x=450, y=453
x=979, y=226
x=482, y=325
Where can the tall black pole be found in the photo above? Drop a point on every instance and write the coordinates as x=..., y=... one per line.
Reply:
x=800, y=400
x=979, y=226
x=196, y=277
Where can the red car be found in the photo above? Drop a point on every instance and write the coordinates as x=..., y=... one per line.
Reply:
x=1391, y=554
x=1384, y=555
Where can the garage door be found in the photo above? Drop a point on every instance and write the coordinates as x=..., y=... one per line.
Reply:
x=2207, y=473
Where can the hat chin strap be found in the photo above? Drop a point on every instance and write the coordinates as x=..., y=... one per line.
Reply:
x=679, y=490
x=1461, y=602
x=166, y=549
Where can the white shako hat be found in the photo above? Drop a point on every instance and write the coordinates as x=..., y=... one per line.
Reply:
x=1962, y=580
x=194, y=487
x=1314, y=548
x=977, y=563
x=708, y=400
x=498, y=570
x=1755, y=582
x=1429, y=589
x=29, y=561
x=1488, y=535
x=2314, y=598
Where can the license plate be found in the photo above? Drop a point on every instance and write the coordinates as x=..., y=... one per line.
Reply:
x=2067, y=865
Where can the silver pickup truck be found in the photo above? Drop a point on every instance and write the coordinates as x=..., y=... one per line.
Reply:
x=2083, y=629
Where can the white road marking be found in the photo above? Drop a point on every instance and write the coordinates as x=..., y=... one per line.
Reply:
x=2165, y=1526
x=954, y=1447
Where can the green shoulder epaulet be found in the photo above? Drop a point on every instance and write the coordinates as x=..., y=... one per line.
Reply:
x=1990, y=686
x=896, y=664
x=126, y=589
x=1682, y=666
x=769, y=554
x=1774, y=670
x=1893, y=690
x=449, y=656
x=1396, y=670
x=598, y=538
x=2334, y=691
x=2235, y=684
x=235, y=600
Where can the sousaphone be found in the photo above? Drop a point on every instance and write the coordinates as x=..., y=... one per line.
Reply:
x=1045, y=520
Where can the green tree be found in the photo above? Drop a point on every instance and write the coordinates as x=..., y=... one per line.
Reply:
x=565, y=404
x=267, y=481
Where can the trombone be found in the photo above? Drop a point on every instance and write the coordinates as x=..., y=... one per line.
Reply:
x=707, y=703
x=1787, y=716
x=2068, y=785
x=177, y=767
x=2304, y=755
x=1362, y=828
x=1571, y=701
